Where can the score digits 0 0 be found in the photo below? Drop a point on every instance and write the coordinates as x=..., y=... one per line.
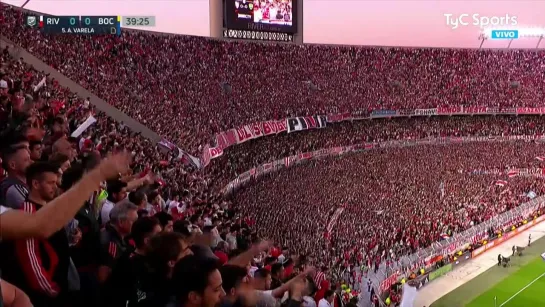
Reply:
x=88, y=25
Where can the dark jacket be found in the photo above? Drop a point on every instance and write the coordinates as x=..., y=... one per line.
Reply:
x=87, y=253
x=112, y=246
x=123, y=287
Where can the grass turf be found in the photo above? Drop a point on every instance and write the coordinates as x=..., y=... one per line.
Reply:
x=505, y=284
x=522, y=288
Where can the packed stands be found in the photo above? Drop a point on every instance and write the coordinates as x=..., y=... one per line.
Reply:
x=242, y=157
x=353, y=212
x=390, y=209
x=161, y=86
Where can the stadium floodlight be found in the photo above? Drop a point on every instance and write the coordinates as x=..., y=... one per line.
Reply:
x=482, y=38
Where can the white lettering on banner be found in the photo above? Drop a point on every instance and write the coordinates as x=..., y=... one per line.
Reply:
x=530, y=110
x=449, y=110
x=305, y=123
x=475, y=110
x=425, y=112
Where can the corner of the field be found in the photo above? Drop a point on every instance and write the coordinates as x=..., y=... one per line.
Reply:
x=492, y=244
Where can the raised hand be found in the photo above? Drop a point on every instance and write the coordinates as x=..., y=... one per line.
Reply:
x=114, y=165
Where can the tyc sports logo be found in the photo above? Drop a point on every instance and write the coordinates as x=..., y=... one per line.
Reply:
x=464, y=20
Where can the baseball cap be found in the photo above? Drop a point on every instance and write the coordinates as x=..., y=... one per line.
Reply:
x=3, y=84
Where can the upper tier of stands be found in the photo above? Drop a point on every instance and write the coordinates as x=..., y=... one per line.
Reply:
x=188, y=88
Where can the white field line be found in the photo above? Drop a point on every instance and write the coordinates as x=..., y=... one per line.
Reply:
x=525, y=287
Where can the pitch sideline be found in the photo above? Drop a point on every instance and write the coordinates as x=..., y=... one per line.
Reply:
x=525, y=287
x=446, y=284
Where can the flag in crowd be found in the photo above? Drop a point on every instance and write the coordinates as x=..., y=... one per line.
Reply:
x=501, y=183
x=513, y=173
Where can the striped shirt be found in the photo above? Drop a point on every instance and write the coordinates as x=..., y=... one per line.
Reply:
x=41, y=268
x=319, y=277
x=13, y=193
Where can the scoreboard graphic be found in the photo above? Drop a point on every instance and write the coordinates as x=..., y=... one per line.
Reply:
x=88, y=25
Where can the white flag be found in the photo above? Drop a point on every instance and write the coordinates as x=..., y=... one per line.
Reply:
x=86, y=124
x=40, y=85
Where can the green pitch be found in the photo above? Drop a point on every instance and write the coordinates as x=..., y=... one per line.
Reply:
x=524, y=288
x=522, y=284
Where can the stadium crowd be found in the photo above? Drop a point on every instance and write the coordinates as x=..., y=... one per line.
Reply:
x=152, y=231
x=392, y=208
x=242, y=157
x=136, y=229
x=161, y=86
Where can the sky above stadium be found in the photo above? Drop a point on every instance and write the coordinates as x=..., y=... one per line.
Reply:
x=357, y=22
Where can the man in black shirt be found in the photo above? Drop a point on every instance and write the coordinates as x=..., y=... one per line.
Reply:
x=112, y=238
x=123, y=287
x=155, y=284
x=277, y=273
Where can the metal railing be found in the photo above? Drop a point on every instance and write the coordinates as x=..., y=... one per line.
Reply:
x=457, y=241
